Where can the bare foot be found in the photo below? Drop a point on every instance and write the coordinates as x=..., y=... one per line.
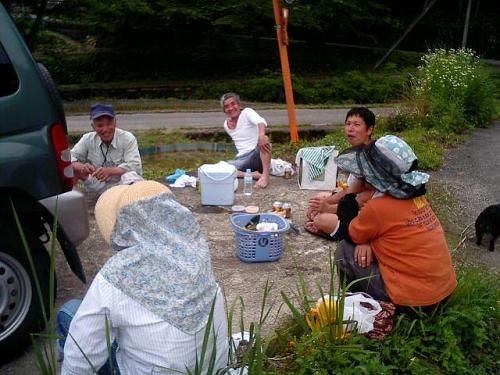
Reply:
x=262, y=182
x=311, y=213
x=311, y=228
x=256, y=175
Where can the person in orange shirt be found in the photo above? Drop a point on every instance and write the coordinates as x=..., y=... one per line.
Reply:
x=401, y=243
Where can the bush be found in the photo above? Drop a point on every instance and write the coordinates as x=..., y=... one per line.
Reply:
x=264, y=89
x=400, y=121
x=461, y=337
x=451, y=91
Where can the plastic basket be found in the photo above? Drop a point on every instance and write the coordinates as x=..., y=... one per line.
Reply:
x=252, y=246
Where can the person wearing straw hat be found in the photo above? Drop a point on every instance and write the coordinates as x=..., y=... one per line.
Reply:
x=157, y=295
x=403, y=246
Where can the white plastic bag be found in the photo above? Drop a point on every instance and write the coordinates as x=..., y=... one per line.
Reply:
x=353, y=310
x=278, y=166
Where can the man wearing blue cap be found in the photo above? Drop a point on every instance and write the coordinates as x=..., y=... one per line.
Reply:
x=102, y=157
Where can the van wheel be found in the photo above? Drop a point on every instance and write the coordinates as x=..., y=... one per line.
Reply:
x=20, y=309
x=52, y=91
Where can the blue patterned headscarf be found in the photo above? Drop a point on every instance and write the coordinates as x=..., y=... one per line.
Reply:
x=163, y=262
x=389, y=165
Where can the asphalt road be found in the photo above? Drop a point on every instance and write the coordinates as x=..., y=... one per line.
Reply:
x=176, y=120
x=471, y=175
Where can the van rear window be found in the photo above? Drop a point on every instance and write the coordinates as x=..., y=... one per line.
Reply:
x=9, y=82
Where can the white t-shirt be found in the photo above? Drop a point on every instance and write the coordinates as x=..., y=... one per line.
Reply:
x=246, y=133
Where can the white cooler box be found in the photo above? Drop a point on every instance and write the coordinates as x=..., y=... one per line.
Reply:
x=217, y=183
x=325, y=181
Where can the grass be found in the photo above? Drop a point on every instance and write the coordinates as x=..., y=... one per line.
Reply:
x=44, y=349
x=428, y=145
x=157, y=166
x=459, y=338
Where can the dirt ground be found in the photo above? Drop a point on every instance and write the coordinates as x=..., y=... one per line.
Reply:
x=304, y=253
x=466, y=175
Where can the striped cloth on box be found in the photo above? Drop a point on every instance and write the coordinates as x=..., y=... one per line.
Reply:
x=316, y=157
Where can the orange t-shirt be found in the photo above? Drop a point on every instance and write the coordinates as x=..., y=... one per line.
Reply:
x=409, y=244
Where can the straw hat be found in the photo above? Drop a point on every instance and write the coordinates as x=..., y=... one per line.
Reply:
x=112, y=200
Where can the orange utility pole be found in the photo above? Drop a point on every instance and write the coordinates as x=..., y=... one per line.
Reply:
x=281, y=19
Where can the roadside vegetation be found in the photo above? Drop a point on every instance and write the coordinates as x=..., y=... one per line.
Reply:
x=348, y=87
x=461, y=337
x=450, y=94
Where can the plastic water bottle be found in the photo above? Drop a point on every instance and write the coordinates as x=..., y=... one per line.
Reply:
x=247, y=183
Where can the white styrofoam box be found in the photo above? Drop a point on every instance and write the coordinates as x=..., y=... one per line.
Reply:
x=326, y=181
x=217, y=183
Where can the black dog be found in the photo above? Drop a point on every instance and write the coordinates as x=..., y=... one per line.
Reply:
x=488, y=221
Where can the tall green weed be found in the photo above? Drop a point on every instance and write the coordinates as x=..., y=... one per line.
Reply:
x=44, y=348
x=451, y=92
x=460, y=337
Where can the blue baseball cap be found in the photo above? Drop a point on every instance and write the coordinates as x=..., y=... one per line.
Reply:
x=99, y=110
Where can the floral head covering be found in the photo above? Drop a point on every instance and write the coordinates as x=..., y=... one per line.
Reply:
x=388, y=164
x=163, y=261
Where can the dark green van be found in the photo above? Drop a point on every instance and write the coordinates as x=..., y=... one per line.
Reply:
x=35, y=177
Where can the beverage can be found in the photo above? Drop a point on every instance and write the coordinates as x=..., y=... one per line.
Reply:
x=287, y=208
x=277, y=206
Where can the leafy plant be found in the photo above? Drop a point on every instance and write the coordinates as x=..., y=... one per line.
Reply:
x=326, y=340
x=250, y=354
x=459, y=337
x=451, y=91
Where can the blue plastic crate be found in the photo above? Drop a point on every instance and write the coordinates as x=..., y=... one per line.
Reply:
x=252, y=246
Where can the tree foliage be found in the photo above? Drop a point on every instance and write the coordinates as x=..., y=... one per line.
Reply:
x=361, y=22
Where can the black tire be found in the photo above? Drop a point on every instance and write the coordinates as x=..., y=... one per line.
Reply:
x=51, y=87
x=20, y=309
